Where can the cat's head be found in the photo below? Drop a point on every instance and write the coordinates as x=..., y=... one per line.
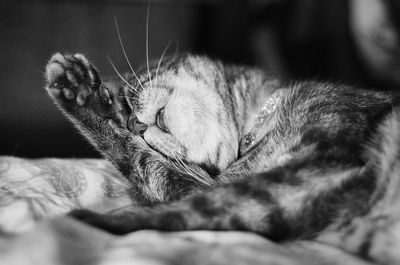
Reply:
x=183, y=110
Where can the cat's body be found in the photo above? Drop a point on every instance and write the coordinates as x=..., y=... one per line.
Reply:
x=228, y=148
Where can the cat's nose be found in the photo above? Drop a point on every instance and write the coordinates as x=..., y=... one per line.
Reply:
x=135, y=126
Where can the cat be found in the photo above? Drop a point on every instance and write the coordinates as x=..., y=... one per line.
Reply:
x=225, y=147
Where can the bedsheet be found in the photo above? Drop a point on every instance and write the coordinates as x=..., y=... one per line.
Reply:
x=35, y=195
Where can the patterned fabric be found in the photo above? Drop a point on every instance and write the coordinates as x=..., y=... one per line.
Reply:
x=36, y=190
x=31, y=190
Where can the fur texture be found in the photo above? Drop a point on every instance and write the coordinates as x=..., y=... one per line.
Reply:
x=325, y=156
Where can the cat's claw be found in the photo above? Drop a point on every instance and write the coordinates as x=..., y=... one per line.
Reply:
x=74, y=78
x=105, y=95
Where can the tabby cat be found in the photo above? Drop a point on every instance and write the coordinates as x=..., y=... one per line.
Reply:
x=224, y=147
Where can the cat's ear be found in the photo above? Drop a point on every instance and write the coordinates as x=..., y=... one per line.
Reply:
x=376, y=37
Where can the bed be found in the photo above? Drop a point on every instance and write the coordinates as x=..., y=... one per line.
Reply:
x=36, y=194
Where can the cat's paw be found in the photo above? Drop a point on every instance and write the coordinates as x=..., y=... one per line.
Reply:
x=73, y=80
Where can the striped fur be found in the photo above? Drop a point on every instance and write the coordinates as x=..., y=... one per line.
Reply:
x=326, y=161
x=376, y=235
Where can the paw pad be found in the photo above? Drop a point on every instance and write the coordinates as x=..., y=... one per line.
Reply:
x=71, y=77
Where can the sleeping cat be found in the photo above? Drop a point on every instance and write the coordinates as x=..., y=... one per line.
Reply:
x=223, y=147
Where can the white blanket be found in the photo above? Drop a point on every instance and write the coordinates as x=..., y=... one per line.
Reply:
x=35, y=194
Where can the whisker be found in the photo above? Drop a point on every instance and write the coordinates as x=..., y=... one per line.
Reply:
x=189, y=178
x=147, y=42
x=161, y=58
x=128, y=97
x=124, y=52
x=41, y=71
x=120, y=76
x=176, y=51
x=200, y=178
x=184, y=168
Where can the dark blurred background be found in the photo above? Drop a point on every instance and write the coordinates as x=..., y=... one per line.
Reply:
x=348, y=41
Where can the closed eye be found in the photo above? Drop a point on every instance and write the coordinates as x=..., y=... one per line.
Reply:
x=160, y=121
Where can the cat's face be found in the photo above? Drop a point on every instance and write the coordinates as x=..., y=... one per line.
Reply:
x=185, y=108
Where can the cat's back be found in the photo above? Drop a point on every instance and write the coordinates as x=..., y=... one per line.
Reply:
x=326, y=105
x=325, y=122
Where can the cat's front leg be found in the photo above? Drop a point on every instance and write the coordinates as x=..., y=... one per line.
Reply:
x=99, y=111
